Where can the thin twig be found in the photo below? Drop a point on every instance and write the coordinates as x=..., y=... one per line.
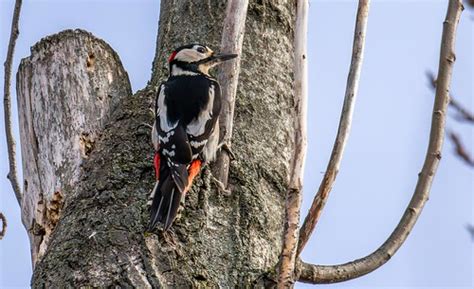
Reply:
x=4, y=225
x=11, y=144
x=460, y=149
x=232, y=39
x=293, y=199
x=344, y=126
x=337, y=273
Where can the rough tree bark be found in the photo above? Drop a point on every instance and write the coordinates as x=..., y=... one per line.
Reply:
x=220, y=239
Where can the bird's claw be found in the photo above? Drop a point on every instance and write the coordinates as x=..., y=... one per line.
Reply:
x=225, y=146
x=221, y=186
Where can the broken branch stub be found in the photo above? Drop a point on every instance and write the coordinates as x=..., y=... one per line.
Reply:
x=66, y=91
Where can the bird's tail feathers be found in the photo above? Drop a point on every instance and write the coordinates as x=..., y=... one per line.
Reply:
x=168, y=194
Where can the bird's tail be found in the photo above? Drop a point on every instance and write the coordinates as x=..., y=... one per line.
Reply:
x=167, y=195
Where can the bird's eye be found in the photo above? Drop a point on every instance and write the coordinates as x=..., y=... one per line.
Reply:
x=201, y=49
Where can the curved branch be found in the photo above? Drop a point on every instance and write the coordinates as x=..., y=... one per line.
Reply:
x=337, y=273
x=11, y=144
x=4, y=225
x=344, y=126
x=293, y=198
x=228, y=77
x=464, y=114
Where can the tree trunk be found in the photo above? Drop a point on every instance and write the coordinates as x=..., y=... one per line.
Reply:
x=220, y=239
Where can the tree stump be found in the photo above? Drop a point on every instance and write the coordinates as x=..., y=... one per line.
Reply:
x=66, y=91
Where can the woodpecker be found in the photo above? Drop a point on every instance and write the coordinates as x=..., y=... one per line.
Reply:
x=185, y=133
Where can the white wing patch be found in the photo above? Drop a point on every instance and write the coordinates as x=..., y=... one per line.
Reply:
x=197, y=144
x=162, y=111
x=198, y=126
x=166, y=138
x=210, y=149
x=155, y=137
x=168, y=153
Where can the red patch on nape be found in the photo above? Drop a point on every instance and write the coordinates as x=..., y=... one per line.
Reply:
x=172, y=56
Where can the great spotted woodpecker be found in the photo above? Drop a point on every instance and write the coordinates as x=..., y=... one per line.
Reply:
x=186, y=131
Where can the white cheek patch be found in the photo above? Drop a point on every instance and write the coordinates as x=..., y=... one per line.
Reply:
x=188, y=55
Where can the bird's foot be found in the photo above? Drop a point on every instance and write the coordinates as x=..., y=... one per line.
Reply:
x=226, y=146
x=221, y=186
x=169, y=237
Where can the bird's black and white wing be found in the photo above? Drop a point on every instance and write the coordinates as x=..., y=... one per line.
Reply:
x=203, y=132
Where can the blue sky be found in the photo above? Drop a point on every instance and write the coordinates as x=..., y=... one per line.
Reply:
x=385, y=151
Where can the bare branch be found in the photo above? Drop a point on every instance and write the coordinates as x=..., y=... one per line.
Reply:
x=460, y=149
x=11, y=144
x=337, y=273
x=344, y=126
x=464, y=113
x=4, y=225
x=293, y=198
x=232, y=39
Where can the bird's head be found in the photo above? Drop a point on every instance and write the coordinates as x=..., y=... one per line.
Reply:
x=193, y=59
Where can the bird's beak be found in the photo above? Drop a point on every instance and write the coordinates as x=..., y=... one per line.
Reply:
x=224, y=57
x=219, y=58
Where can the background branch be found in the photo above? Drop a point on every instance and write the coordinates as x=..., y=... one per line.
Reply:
x=11, y=144
x=460, y=149
x=337, y=273
x=344, y=126
x=293, y=198
x=470, y=230
x=4, y=225
x=463, y=112
x=228, y=77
